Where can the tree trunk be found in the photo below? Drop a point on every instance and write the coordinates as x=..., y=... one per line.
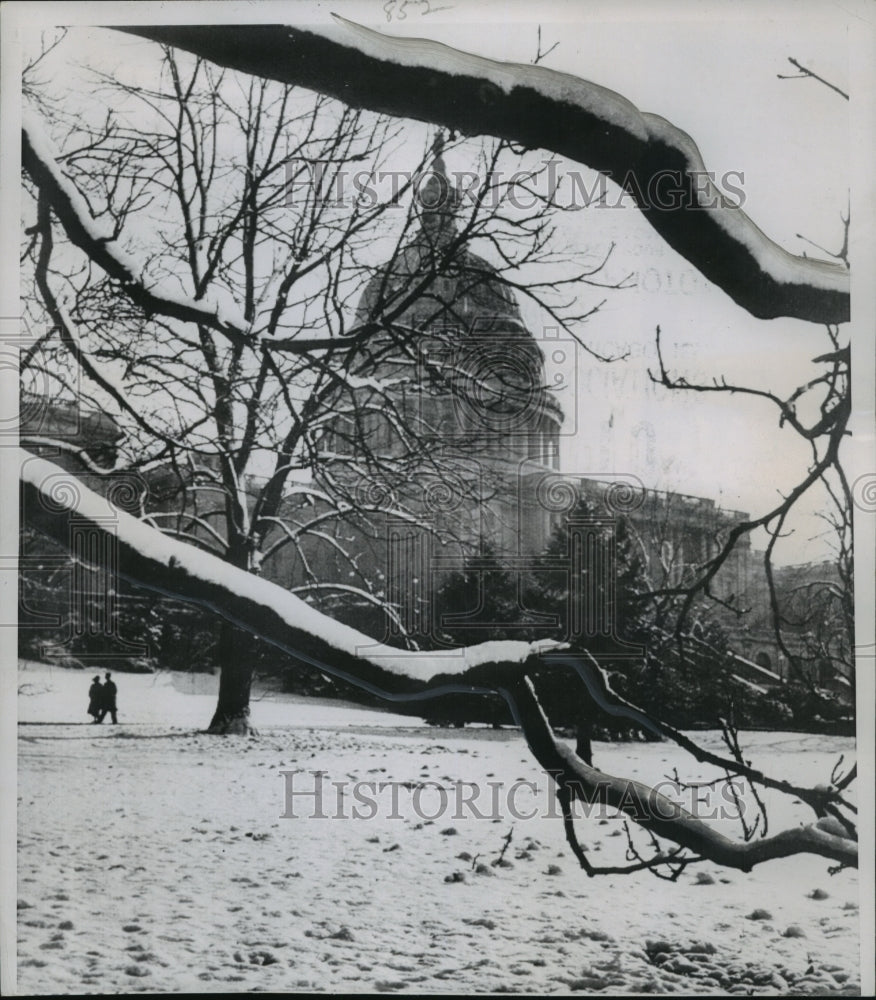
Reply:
x=236, y=662
x=583, y=745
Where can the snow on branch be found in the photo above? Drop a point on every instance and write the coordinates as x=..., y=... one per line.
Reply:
x=53, y=501
x=156, y=561
x=540, y=108
x=39, y=159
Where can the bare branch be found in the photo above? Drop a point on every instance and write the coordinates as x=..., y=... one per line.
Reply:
x=804, y=72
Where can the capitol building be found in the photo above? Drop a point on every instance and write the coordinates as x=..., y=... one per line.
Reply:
x=446, y=459
x=480, y=394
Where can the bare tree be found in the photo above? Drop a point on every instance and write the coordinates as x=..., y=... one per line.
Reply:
x=595, y=126
x=200, y=271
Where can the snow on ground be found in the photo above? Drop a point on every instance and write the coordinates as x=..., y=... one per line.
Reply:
x=56, y=694
x=154, y=858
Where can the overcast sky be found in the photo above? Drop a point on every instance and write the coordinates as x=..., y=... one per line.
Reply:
x=712, y=71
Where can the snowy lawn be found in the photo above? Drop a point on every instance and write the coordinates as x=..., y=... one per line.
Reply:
x=154, y=858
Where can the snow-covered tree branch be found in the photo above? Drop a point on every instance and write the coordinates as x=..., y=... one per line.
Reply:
x=38, y=158
x=539, y=108
x=168, y=566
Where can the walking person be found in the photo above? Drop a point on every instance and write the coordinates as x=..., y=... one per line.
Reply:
x=109, y=698
x=95, y=700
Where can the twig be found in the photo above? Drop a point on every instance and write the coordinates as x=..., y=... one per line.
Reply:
x=804, y=72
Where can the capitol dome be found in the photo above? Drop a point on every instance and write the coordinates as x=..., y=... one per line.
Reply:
x=453, y=312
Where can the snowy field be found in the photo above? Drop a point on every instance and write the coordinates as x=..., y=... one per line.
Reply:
x=154, y=858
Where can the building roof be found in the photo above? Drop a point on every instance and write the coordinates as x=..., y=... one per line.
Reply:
x=461, y=291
